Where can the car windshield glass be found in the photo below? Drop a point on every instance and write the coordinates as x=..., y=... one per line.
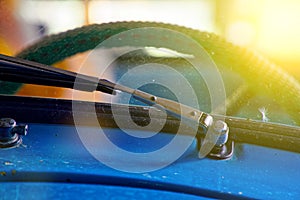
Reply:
x=228, y=67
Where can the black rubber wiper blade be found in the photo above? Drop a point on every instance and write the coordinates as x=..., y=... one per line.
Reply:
x=42, y=110
x=275, y=135
x=23, y=71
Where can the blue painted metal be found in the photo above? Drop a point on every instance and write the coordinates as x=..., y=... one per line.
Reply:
x=53, y=155
x=87, y=191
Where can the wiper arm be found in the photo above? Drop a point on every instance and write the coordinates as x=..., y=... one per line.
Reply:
x=23, y=71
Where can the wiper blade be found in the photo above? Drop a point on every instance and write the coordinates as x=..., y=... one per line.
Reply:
x=42, y=110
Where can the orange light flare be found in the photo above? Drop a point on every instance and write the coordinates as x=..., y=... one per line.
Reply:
x=271, y=27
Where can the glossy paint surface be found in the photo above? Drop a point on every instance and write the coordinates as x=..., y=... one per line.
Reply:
x=53, y=163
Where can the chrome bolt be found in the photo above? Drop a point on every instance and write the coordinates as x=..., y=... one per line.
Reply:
x=222, y=130
x=10, y=133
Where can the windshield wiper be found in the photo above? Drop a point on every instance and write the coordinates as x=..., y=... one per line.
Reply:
x=241, y=130
x=23, y=71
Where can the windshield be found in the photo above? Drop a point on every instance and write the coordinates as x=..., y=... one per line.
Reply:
x=248, y=26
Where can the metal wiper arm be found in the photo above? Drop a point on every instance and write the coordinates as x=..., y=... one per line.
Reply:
x=23, y=71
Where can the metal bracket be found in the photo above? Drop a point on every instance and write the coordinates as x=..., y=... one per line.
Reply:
x=222, y=152
x=218, y=135
x=219, y=152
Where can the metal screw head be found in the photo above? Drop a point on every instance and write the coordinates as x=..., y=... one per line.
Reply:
x=153, y=98
x=194, y=113
x=7, y=122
